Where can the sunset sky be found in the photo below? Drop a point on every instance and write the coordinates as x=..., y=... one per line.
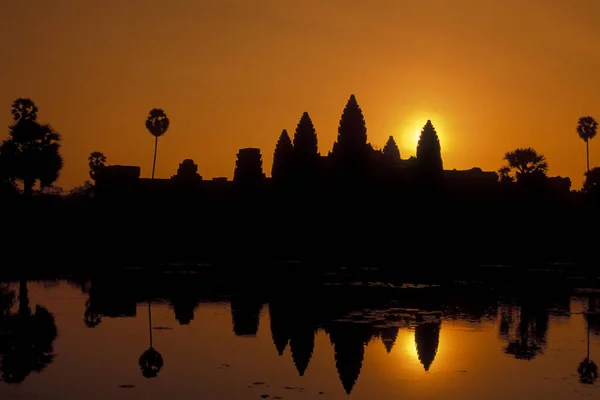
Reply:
x=491, y=75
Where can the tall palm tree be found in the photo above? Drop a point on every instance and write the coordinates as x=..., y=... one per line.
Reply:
x=157, y=124
x=587, y=128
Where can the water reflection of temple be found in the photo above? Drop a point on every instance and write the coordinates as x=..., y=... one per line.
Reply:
x=427, y=338
x=352, y=321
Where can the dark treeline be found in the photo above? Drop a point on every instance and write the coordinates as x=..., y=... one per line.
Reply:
x=355, y=206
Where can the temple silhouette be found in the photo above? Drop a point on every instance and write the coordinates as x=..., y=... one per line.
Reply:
x=298, y=164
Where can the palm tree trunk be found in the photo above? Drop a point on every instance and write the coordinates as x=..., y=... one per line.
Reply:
x=155, y=149
x=150, y=321
x=587, y=151
x=588, y=340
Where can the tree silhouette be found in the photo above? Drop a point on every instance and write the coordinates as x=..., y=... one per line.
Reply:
x=591, y=185
x=586, y=129
x=429, y=152
x=282, y=156
x=391, y=151
x=84, y=191
x=96, y=161
x=157, y=124
x=523, y=165
x=7, y=299
x=352, y=130
x=91, y=316
x=24, y=109
x=151, y=361
x=504, y=175
x=305, y=152
x=26, y=344
x=31, y=153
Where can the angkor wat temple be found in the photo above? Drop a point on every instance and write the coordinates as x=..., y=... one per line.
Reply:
x=297, y=164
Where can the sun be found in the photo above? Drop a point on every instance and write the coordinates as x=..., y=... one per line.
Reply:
x=417, y=136
x=409, y=130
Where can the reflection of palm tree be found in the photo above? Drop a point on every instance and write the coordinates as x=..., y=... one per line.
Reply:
x=91, y=318
x=150, y=361
x=588, y=370
x=27, y=344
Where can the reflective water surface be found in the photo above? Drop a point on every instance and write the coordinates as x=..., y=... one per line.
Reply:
x=99, y=340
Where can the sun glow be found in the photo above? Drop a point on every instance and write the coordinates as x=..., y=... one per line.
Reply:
x=409, y=130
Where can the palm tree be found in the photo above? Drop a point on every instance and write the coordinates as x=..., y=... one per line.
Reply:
x=587, y=128
x=523, y=164
x=588, y=370
x=157, y=124
x=96, y=161
x=24, y=108
x=31, y=154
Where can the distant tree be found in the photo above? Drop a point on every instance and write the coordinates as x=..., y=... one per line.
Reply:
x=24, y=109
x=504, y=175
x=31, y=153
x=96, y=161
x=587, y=128
x=352, y=130
x=282, y=156
x=429, y=152
x=524, y=165
x=305, y=152
x=391, y=151
x=86, y=190
x=52, y=190
x=157, y=124
x=591, y=185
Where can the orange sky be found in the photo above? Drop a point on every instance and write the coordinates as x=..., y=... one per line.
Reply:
x=492, y=76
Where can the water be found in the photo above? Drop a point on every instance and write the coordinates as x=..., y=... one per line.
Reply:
x=413, y=343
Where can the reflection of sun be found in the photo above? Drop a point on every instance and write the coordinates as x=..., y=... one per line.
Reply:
x=410, y=347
